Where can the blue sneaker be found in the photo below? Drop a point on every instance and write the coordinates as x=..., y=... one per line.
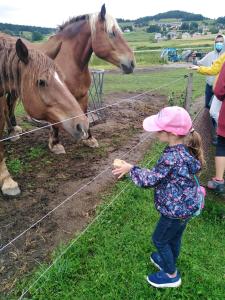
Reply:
x=156, y=260
x=162, y=280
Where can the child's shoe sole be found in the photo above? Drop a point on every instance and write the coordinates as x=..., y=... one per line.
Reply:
x=165, y=285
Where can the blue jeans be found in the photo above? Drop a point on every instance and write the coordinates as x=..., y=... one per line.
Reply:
x=167, y=239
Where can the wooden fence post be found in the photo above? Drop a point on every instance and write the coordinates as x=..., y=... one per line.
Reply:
x=189, y=92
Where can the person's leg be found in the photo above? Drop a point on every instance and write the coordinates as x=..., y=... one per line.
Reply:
x=164, y=233
x=214, y=113
x=168, y=276
x=215, y=109
x=175, y=242
x=220, y=167
x=217, y=183
x=208, y=95
x=220, y=158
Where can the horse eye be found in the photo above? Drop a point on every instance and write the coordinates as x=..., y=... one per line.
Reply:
x=112, y=34
x=41, y=83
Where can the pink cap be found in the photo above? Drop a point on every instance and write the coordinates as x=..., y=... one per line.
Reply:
x=172, y=119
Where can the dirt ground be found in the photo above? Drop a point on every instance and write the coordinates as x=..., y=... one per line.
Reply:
x=47, y=180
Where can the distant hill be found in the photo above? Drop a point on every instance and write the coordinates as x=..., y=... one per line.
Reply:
x=173, y=14
x=17, y=29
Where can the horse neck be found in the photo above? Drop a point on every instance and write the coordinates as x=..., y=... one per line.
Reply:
x=79, y=39
x=10, y=71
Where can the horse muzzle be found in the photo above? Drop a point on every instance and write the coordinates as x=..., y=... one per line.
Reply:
x=127, y=67
x=80, y=132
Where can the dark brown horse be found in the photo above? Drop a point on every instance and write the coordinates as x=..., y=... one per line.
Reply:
x=34, y=77
x=80, y=37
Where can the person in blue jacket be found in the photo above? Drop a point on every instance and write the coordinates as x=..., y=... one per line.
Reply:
x=177, y=195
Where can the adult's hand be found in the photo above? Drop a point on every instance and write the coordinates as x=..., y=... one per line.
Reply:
x=194, y=67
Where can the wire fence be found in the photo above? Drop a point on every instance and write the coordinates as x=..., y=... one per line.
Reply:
x=118, y=102
x=95, y=96
x=97, y=110
x=201, y=122
x=80, y=189
x=88, y=227
x=188, y=99
x=66, y=200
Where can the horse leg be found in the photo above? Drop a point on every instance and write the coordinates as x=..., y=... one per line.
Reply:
x=6, y=114
x=8, y=186
x=13, y=128
x=90, y=141
x=54, y=144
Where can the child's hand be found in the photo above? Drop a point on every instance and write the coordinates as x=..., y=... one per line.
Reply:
x=121, y=168
x=194, y=67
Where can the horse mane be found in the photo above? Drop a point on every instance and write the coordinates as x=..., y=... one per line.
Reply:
x=110, y=22
x=71, y=21
x=11, y=67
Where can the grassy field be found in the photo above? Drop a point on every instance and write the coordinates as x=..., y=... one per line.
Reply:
x=173, y=81
x=142, y=41
x=111, y=260
x=168, y=82
x=142, y=59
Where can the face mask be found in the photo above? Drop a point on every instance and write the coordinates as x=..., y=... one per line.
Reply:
x=219, y=46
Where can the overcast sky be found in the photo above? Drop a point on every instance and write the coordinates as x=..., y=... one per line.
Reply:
x=50, y=13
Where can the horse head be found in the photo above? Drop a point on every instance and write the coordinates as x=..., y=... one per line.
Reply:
x=45, y=95
x=108, y=42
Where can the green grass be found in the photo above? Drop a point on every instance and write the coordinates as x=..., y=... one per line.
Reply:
x=142, y=59
x=142, y=82
x=36, y=152
x=111, y=260
x=143, y=40
x=15, y=166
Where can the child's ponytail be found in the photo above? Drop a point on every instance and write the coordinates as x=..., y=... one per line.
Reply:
x=194, y=143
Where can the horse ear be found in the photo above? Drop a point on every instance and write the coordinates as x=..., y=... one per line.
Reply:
x=102, y=13
x=52, y=53
x=22, y=51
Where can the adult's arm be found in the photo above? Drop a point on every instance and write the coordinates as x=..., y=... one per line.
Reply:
x=206, y=61
x=215, y=68
x=219, y=89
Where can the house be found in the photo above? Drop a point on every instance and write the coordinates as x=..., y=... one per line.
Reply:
x=171, y=35
x=126, y=30
x=186, y=35
x=158, y=36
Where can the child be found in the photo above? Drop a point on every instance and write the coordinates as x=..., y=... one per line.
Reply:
x=176, y=190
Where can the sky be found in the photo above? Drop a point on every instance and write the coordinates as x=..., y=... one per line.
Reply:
x=51, y=13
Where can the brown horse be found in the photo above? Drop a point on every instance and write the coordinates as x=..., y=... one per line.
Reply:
x=34, y=77
x=80, y=37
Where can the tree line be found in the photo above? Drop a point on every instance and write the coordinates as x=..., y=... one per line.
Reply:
x=37, y=33
x=173, y=14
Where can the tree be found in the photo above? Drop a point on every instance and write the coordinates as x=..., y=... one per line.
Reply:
x=221, y=20
x=194, y=26
x=36, y=36
x=213, y=29
x=184, y=26
x=124, y=27
x=153, y=28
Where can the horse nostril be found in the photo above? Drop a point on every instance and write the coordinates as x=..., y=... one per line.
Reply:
x=132, y=64
x=127, y=69
x=81, y=130
x=79, y=127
